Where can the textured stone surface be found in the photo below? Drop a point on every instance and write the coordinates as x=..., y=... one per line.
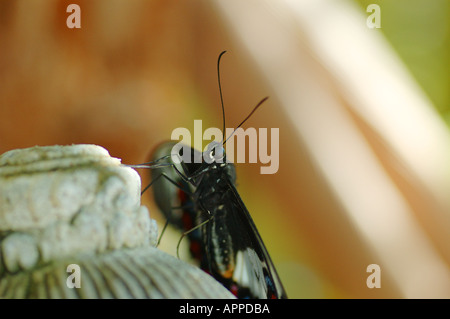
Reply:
x=62, y=205
x=123, y=273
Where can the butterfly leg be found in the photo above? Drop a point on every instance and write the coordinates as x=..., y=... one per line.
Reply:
x=188, y=192
x=189, y=231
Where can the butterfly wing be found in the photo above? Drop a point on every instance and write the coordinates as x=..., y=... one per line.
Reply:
x=235, y=251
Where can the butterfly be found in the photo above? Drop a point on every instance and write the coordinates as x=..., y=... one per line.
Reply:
x=197, y=194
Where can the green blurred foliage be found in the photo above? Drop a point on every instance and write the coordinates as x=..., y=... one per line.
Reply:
x=419, y=30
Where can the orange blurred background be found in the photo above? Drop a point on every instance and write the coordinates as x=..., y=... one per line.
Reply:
x=138, y=69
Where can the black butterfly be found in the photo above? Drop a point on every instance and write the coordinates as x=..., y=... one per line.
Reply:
x=196, y=192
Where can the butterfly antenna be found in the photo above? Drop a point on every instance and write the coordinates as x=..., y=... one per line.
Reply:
x=220, y=92
x=248, y=116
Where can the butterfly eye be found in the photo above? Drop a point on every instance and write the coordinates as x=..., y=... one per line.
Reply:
x=217, y=153
x=214, y=153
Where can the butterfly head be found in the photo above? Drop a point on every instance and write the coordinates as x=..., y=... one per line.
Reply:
x=215, y=154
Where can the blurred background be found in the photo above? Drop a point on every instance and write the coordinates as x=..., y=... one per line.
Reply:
x=363, y=113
